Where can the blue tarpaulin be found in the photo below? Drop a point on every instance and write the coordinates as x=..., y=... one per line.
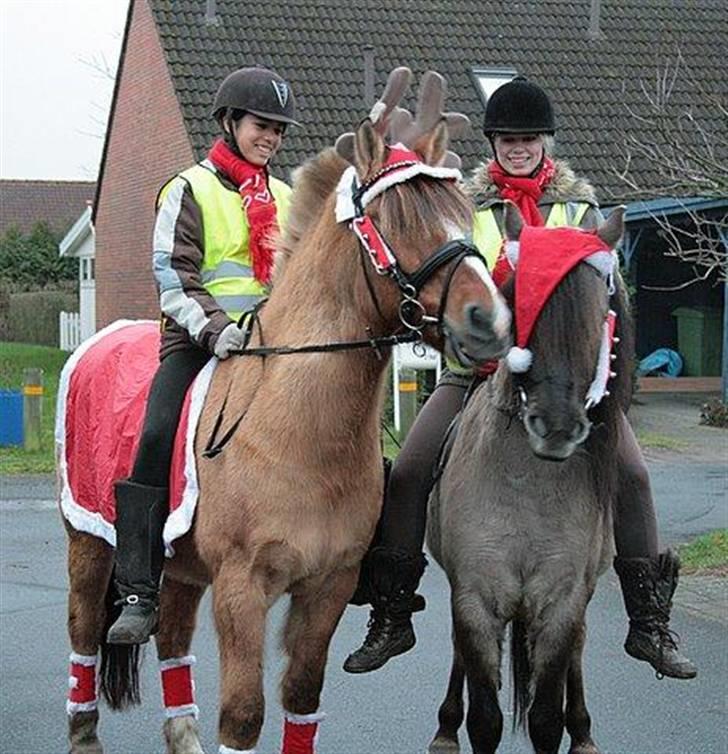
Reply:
x=664, y=362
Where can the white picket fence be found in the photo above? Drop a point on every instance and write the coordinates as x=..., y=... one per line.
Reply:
x=69, y=328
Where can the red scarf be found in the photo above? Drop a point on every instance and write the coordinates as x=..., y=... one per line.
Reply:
x=523, y=192
x=258, y=204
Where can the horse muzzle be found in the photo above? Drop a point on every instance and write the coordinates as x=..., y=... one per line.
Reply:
x=555, y=441
x=481, y=336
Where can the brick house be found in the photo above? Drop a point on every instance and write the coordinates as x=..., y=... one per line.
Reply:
x=593, y=57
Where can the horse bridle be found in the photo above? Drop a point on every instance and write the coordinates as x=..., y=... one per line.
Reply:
x=412, y=313
x=385, y=263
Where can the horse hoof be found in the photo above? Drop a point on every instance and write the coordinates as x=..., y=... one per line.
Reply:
x=182, y=736
x=442, y=745
x=585, y=747
x=82, y=733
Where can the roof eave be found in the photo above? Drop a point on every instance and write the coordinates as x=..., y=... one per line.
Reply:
x=79, y=232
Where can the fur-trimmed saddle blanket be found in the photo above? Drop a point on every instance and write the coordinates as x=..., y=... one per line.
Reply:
x=102, y=397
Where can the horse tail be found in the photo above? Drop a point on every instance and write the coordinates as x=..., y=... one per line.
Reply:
x=520, y=674
x=119, y=674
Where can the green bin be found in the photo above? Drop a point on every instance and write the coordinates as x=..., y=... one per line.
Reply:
x=699, y=340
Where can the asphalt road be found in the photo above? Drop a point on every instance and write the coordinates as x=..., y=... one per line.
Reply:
x=392, y=711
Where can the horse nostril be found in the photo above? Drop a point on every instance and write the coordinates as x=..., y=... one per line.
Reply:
x=580, y=431
x=478, y=318
x=537, y=425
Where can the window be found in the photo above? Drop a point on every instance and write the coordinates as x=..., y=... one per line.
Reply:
x=87, y=268
x=487, y=80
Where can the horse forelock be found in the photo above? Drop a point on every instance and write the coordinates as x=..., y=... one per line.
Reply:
x=566, y=342
x=423, y=208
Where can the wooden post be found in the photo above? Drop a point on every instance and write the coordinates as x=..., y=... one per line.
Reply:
x=32, y=408
x=407, y=389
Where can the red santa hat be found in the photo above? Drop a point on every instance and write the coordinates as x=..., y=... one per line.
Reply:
x=542, y=257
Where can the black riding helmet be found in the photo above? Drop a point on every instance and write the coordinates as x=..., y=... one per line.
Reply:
x=519, y=107
x=257, y=91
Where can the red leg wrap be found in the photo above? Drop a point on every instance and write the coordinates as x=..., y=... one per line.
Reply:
x=300, y=733
x=178, y=688
x=81, y=684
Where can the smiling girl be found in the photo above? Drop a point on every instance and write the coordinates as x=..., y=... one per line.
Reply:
x=213, y=257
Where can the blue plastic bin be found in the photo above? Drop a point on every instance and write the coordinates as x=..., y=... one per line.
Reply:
x=11, y=417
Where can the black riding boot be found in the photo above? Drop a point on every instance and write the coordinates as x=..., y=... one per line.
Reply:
x=394, y=579
x=647, y=586
x=140, y=515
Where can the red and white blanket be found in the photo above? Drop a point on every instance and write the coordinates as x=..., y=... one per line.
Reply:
x=101, y=401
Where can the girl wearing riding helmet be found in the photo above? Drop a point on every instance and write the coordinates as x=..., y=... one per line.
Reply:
x=213, y=256
x=519, y=124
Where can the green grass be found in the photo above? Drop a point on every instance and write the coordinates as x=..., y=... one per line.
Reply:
x=658, y=441
x=14, y=358
x=706, y=553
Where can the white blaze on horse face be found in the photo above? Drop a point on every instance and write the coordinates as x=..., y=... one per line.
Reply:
x=501, y=312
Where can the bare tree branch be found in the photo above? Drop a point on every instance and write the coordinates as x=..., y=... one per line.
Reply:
x=686, y=146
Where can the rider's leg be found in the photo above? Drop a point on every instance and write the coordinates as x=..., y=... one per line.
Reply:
x=648, y=577
x=397, y=564
x=141, y=501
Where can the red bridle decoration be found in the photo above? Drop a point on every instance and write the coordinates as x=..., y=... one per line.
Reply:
x=371, y=239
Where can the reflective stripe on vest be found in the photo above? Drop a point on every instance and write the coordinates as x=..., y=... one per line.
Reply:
x=226, y=271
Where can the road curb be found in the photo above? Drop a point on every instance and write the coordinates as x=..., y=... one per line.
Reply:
x=704, y=594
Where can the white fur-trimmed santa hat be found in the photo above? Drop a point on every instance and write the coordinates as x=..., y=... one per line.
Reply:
x=542, y=257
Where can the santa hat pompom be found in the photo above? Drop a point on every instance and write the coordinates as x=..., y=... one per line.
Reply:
x=519, y=359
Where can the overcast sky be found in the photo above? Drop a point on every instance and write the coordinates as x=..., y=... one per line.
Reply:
x=53, y=104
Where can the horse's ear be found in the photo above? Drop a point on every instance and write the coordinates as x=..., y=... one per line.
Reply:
x=612, y=230
x=513, y=221
x=368, y=149
x=433, y=145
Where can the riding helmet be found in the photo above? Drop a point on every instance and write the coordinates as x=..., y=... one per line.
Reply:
x=257, y=91
x=519, y=107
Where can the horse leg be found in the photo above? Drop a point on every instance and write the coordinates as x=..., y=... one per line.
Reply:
x=178, y=604
x=90, y=561
x=478, y=635
x=551, y=643
x=316, y=608
x=240, y=606
x=452, y=710
x=578, y=722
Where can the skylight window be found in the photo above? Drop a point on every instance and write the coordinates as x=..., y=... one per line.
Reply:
x=487, y=80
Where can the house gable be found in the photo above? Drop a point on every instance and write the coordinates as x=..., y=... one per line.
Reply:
x=146, y=143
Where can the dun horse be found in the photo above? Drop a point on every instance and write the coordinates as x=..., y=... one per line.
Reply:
x=290, y=504
x=523, y=537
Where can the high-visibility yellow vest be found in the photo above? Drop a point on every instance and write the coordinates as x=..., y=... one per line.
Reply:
x=488, y=239
x=227, y=268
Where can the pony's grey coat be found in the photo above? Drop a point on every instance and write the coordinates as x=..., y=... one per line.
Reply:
x=525, y=536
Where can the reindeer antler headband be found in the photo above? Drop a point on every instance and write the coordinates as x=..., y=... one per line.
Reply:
x=403, y=132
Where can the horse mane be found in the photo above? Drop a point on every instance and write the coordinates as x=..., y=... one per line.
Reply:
x=312, y=182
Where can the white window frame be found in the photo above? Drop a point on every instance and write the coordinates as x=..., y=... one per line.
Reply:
x=486, y=80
